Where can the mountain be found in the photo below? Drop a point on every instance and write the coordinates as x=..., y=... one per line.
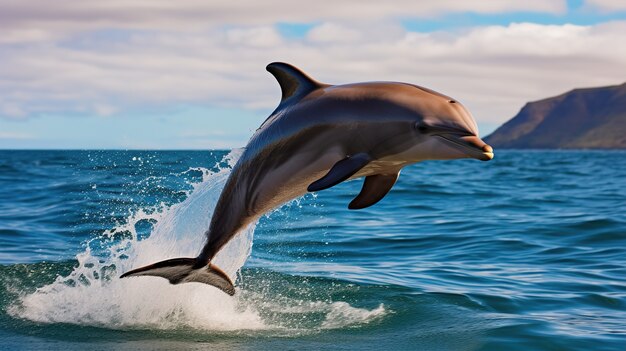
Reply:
x=590, y=118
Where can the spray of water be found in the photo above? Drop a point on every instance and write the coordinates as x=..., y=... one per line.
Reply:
x=93, y=295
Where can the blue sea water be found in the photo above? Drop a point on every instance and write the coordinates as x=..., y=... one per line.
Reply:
x=526, y=252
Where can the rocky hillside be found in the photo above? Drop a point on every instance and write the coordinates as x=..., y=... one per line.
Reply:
x=592, y=118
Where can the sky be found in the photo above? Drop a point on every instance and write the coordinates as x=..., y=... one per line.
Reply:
x=190, y=74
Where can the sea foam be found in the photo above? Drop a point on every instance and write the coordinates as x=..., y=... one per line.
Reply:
x=93, y=295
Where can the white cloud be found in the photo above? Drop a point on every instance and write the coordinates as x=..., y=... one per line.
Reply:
x=12, y=110
x=15, y=136
x=332, y=32
x=493, y=69
x=72, y=15
x=104, y=110
x=607, y=5
x=255, y=37
x=103, y=58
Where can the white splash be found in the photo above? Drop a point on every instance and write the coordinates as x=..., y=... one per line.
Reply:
x=93, y=295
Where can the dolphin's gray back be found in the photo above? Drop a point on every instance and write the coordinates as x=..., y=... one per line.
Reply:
x=300, y=141
x=295, y=146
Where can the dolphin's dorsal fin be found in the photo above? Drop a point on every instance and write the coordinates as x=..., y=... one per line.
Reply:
x=294, y=83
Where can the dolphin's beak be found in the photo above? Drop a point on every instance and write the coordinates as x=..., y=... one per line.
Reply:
x=472, y=145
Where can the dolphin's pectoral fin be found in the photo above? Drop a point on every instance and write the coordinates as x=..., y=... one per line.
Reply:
x=341, y=171
x=186, y=270
x=374, y=189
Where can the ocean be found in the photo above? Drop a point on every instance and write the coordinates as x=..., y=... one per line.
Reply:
x=525, y=252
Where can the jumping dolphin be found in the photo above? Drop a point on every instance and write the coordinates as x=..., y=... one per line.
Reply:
x=319, y=136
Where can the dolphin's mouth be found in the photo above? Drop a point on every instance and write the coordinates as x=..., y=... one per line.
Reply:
x=472, y=145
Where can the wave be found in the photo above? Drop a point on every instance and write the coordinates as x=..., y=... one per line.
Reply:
x=93, y=295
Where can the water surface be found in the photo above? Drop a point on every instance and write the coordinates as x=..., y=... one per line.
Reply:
x=525, y=252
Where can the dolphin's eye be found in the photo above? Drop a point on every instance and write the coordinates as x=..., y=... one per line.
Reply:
x=452, y=101
x=421, y=127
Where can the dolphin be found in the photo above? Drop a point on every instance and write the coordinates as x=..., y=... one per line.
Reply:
x=319, y=136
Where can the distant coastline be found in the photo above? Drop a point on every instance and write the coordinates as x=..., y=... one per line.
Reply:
x=590, y=118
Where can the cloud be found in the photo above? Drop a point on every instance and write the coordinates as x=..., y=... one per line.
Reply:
x=193, y=14
x=35, y=20
x=332, y=32
x=493, y=69
x=15, y=136
x=106, y=58
x=606, y=5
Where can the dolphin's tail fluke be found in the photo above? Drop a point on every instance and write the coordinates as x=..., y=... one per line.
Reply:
x=186, y=270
